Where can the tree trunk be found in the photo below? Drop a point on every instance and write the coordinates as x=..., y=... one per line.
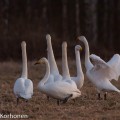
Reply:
x=44, y=16
x=91, y=20
x=77, y=18
x=64, y=21
x=6, y=18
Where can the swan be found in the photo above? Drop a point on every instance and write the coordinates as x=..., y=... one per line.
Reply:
x=60, y=90
x=65, y=69
x=54, y=72
x=79, y=79
x=23, y=87
x=99, y=72
x=53, y=66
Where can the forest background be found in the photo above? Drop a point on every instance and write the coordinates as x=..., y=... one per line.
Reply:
x=64, y=20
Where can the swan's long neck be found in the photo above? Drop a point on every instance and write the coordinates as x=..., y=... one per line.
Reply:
x=88, y=64
x=78, y=64
x=65, y=69
x=47, y=74
x=24, y=61
x=51, y=58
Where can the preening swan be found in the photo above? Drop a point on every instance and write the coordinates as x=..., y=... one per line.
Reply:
x=100, y=73
x=23, y=87
x=79, y=79
x=53, y=66
x=60, y=90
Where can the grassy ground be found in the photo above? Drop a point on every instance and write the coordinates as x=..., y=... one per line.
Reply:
x=87, y=107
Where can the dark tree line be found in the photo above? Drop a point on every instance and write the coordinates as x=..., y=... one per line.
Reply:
x=31, y=20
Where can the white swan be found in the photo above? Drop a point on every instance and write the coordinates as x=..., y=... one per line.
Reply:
x=79, y=79
x=100, y=73
x=65, y=68
x=60, y=90
x=54, y=72
x=53, y=66
x=23, y=87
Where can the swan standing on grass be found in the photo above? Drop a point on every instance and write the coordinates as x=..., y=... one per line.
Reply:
x=79, y=79
x=101, y=73
x=60, y=90
x=53, y=66
x=23, y=87
x=54, y=72
x=65, y=69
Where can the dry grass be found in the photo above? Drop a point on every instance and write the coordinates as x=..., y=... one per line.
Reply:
x=87, y=107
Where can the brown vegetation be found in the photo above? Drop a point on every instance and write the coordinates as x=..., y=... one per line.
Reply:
x=87, y=107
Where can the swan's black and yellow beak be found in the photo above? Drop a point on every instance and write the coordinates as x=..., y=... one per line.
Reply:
x=80, y=48
x=41, y=61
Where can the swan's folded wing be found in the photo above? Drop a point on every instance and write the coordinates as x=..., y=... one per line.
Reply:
x=114, y=63
x=28, y=88
x=19, y=87
x=102, y=70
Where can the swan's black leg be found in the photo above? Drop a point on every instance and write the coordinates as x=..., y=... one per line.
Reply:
x=105, y=96
x=17, y=101
x=58, y=102
x=48, y=98
x=74, y=100
x=99, y=98
x=66, y=99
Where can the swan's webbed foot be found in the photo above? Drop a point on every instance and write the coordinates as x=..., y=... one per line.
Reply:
x=66, y=99
x=105, y=96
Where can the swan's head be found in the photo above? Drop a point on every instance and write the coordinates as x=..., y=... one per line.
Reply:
x=41, y=61
x=64, y=44
x=23, y=43
x=81, y=38
x=48, y=37
x=78, y=47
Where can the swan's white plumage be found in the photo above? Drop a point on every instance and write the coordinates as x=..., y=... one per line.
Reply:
x=114, y=63
x=109, y=69
x=65, y=68
x=101, y=69
x=79, y=79
x=100, y=73
x=57, y=89
x=23, y=86
x=53, y=66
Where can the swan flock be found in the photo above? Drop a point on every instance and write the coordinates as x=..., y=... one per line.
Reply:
x=63, y=86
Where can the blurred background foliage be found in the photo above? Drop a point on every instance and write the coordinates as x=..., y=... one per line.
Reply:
x=64, y=20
